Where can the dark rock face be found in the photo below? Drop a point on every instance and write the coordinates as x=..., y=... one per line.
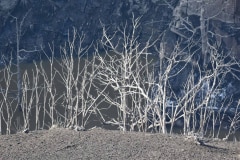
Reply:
x=46, y=21
x=222, y=17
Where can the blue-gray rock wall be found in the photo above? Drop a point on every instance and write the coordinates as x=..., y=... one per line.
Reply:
x=47, y=21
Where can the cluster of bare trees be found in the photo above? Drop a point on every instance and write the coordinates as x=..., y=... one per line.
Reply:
x=129, y=85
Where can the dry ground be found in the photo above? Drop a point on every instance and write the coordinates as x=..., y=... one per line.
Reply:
x=60, y=143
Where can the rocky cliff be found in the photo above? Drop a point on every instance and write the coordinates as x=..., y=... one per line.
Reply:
x=46, y=21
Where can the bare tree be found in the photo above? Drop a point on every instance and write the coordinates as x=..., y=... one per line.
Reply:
x=38, y=92
x=77, y=74
x=122, y=69
x=50, y=90
x=19, y=58
x=7, y=102
x=211, y=66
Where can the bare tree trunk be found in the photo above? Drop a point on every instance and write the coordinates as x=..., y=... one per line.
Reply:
x=203, y=29
x=19, y=78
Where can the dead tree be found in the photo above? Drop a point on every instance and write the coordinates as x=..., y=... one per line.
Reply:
x=77, y=75
x=120, y=69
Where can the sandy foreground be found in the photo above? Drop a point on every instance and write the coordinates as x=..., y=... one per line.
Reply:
x=60, y=143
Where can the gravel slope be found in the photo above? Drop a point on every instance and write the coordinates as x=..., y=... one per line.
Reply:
x=60, y=143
